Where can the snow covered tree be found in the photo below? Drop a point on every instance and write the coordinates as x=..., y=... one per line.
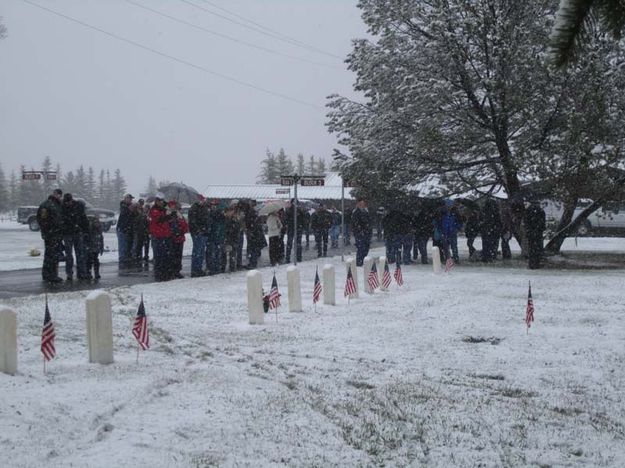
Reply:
x=269, y=173
x=46, y=183
x=81, y=182
x=90, y=186
x=321, y=167
x=284, y=165
x=4, y=192
x=3, y=29
x=301, y=165
x=118, y=188
x=461, y=92
x=575, y=20
x=151, y=188
x=14, y=191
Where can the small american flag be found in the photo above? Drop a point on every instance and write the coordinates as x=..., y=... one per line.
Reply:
x=274, y=294
x=449, y=264
x=386, y=277
x=140, y=328
x=373, y=277
x=350, y=286
x=316, y=288
x=399, y=279
x=529, y=313
x=47, y=336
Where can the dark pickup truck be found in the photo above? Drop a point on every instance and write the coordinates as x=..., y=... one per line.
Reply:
x=28, y=215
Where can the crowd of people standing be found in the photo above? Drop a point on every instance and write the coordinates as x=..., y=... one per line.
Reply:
x=220, y=230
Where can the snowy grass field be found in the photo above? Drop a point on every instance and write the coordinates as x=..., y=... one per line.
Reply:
x=438, y=373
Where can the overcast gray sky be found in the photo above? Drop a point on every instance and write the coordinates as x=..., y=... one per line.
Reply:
x=83, y=97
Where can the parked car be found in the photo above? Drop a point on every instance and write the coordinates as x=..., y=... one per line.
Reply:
x=607, y=220
x=28, y=215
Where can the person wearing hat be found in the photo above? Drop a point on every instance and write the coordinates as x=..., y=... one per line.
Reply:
x=125, y=232
x=198, y=227
x=50, y=222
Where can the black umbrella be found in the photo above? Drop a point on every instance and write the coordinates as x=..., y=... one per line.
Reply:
x=180, y=192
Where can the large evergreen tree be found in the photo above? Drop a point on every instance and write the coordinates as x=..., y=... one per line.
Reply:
x=284, y=165
x=462, y=93
x=268, y=169
x=5, y=203
x=151, y=188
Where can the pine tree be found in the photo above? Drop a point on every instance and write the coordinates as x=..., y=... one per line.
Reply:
x=69, y=183
x=151, y=188
x=46, y=183
x=4, y=192
x=301, y=165
x=81, y=182
x=321, y=167
x=90, y=193
x=284, y=165
x=311, y=168
x=14, y=194
x=269, y=173
x=101, y=189
x=119, y=186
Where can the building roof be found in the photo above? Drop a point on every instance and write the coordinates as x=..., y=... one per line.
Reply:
x=330, y=191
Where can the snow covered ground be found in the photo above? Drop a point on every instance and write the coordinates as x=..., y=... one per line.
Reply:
x=438, y=373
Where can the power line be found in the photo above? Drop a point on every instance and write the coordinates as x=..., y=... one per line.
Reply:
x=265, y=32
x=171, y=57
x=234, y=39
x=288, y=38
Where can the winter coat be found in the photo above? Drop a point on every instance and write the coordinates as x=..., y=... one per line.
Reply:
x=450, y=223
x=179, y=227
x=50, y=218
x=274, y=225
x=216, y=226
x=288, y=216
x=396, y=223
x=232, y=231
x=198, y=219
x=320, y=220
x=535, y=221
x=74, y=218
x=125, y=219
x=491, y=220
x=422, y=224
x=336, y=219
x=255, y=234
x=140, y=223
x=473, y=225
x=159, y=223
x=361, y=222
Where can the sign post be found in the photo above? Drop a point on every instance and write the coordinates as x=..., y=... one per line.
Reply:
x=344, y=183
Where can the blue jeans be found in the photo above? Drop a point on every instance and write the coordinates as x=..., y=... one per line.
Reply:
x=421, y=247
x=198, y=254
x=161, y=249
x=451, y=242
x=335, y=231
x=402, y=246
x=124, y=245
x=298, y=246
x=213, y=256
x=74, y=242
x=362, y=247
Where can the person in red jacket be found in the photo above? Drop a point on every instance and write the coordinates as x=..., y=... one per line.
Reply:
x=160, y=232
x=179, y=227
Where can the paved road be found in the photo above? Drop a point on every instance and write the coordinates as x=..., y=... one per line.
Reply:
x=17, y=283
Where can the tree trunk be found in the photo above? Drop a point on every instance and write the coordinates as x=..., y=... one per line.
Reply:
x=554, y=245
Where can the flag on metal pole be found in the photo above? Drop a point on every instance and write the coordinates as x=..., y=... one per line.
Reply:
x=274, y=294
x=529, y=313
x=47, y=336
x=350, y=286
x=140, y=328
x=373, y=281
x=399, y=279
x=316, y=288
x=386, y=277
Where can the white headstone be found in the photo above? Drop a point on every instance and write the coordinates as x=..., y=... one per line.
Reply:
x=8, y=341
x=295, y=289
x=366, y=269
x=351, y=262
x=380, y=266
x=436, y=260
x=329, y=285
x=255, y=297
x=99, y=327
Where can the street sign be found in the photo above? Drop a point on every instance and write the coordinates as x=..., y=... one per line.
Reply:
x=350, y=183
x=312, y=181
x=51, y=176
x=283, y=191
x=31, y=175
x=286, y=180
